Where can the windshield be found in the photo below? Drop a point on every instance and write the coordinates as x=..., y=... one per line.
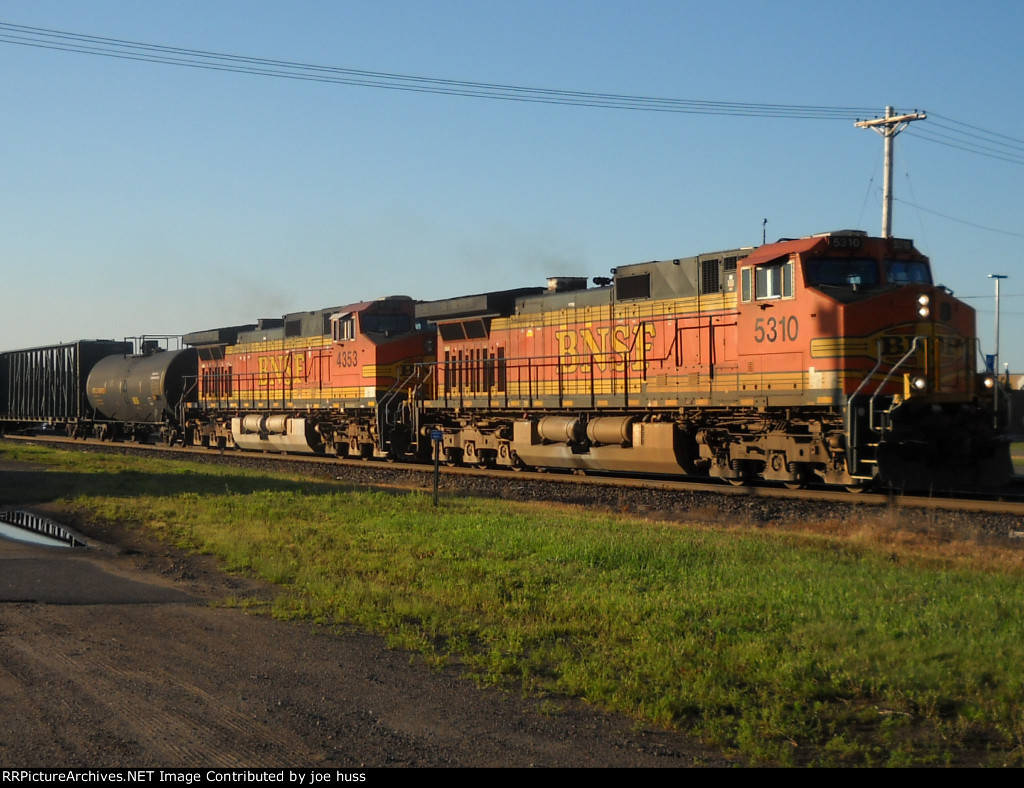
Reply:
x=385, y=324
x=841, y=271
x=908, y=272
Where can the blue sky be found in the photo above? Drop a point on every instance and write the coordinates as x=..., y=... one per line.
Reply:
x=145, y=198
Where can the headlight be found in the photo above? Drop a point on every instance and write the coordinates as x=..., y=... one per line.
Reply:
x=923, y=305
x=920, y=383
x=988, y=382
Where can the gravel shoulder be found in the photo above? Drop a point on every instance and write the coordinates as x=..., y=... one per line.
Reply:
x=126, y=654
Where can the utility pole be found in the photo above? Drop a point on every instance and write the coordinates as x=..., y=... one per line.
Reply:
x=889, y=127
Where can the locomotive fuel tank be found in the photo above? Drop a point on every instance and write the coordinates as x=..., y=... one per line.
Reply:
x=141, y=389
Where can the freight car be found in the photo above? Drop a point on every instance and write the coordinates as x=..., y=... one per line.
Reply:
x=142, y=396
x=832, y=358
x=47, y=385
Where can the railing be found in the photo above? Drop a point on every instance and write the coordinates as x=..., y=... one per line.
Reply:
x=501, y=381
x=394, y=400
x=223, y=388
x=853, y=445
x=871, y=403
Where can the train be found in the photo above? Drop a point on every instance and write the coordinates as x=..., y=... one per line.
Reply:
x=829, y=359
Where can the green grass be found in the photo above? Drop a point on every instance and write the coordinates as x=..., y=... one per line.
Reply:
x=785, y=647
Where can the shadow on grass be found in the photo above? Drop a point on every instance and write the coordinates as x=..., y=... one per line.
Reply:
x=38, y=486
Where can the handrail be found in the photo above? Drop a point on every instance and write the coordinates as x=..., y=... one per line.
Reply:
x=870, y=375
x=897, y=365
x=385, y=402
x=851, y=400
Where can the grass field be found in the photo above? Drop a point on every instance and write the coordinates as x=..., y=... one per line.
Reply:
x=869, y=643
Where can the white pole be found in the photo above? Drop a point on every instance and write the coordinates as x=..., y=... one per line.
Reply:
x=995, y=361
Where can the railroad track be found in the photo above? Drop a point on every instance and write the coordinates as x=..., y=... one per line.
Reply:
x=998, y=515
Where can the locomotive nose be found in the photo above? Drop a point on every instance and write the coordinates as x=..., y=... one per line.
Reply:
x=944, y=363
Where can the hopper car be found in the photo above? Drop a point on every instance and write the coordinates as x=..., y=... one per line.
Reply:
x=47, y=385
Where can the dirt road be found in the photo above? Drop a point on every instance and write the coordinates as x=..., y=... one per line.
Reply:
x=124, y=655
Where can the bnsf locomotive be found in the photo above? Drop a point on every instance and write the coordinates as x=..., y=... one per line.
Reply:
x=832, y=358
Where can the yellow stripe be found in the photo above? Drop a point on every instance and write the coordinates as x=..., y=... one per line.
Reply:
x=646, y=310
x=278, y=345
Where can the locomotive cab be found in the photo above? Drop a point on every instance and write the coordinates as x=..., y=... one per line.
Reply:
x=887, y=348
x=374, y=345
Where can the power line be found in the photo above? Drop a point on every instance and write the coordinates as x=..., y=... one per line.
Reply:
x=953, y=134
x=960, y=221
x=980, y=150
x=43, y=38
x=971, y=139
x=982, y=133
x=961, y=136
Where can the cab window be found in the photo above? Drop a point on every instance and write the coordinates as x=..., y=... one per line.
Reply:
x=344, y=327
x=773, y=281
x=839, y=272
x=389, y=325
x=908, y=272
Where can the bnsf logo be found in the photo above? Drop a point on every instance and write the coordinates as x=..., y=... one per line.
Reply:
x=895, y=346
x=607, y=346
x=284, y=363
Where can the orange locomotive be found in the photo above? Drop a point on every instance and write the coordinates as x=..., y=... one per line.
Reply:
x=830, y=358
x=316, y=382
